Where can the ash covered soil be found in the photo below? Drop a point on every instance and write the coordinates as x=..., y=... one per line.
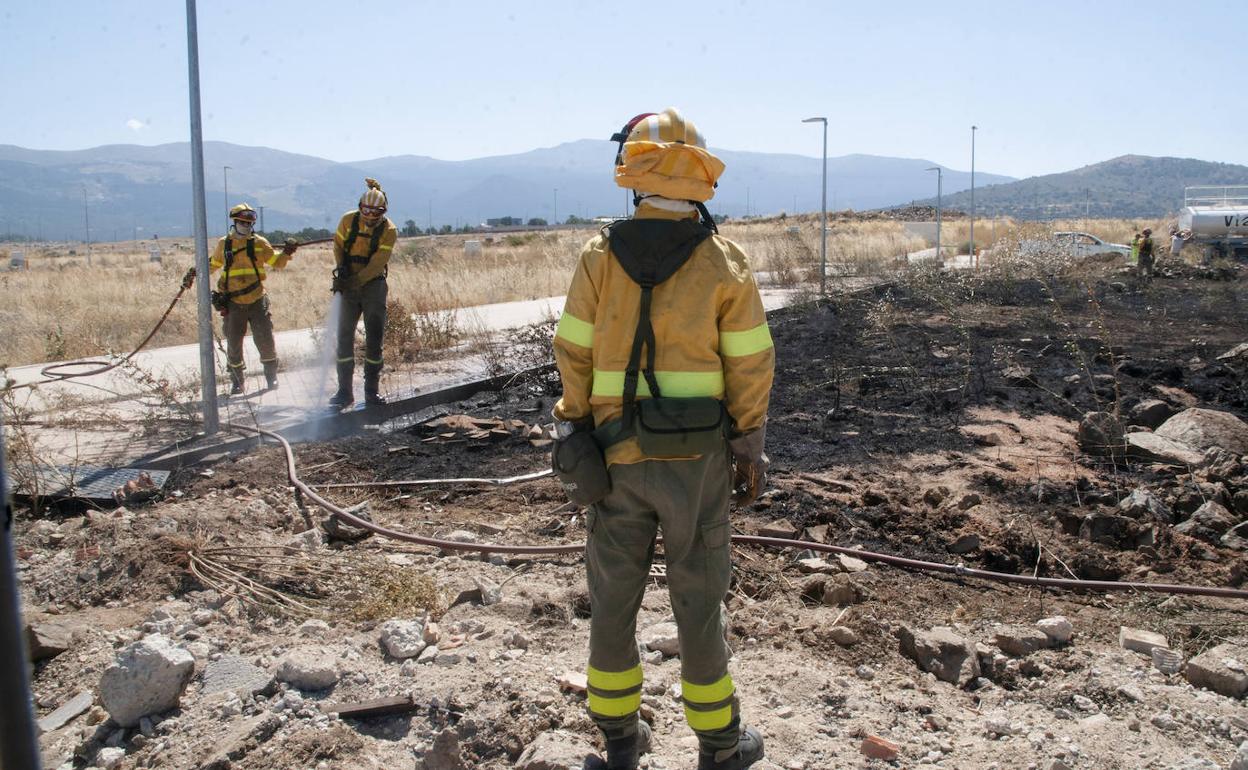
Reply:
x=934, y=417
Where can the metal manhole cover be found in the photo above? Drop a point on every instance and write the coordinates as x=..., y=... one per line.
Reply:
x=86, y=482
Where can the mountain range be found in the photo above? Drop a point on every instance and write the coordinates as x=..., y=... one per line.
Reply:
x=133, y=190
x=1126, y=187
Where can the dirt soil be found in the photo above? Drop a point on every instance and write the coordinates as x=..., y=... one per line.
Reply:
x=918, y=418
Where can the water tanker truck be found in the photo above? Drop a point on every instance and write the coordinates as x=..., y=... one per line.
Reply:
x=1216, y=219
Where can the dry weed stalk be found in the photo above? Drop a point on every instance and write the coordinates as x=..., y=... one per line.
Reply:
x=298, y=584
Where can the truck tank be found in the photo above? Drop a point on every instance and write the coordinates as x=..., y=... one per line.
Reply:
x=1215, y=222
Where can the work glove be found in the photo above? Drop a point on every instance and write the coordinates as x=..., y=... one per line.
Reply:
x=341, y=282
x=189, y=279
x=749, y=466
x=290, y=246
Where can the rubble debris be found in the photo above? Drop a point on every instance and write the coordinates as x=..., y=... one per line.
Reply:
x=556, y=750
x=574, y=681
x=66, y=712
x=964, y=544
x=445, y=753
x=463, y=427
x=1152, y=448
x=782, y=528
x=378, y=707
x=1139, y=640
x=661, y=637
x=403, y=638
x=1209, y=523
x=230, y=673
x=308, y=669
x=1236, y=538
x=47, y=639
x=242, y=739
x=1143, y=504
x=1222, y=669
x=338, y=530
x=1201, y=429
x=1167, y=661
x=1151, y=413
x=943, y=652
x=875, y=747
x=1020, y=640
x=1057, y=628
x=147, y=677
x=1100, y=433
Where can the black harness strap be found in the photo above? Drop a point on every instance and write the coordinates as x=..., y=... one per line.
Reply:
x=650, y=251
x=229, y=263
x=373, y=244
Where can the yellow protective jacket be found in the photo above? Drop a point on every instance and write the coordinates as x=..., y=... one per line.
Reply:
x=243, y=272
x=367, y=260
x=710, y=330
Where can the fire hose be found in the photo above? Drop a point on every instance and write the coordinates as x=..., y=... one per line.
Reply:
x=53, y=373
x=308, y=491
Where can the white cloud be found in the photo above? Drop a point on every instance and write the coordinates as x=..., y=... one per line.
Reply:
x=136, y=125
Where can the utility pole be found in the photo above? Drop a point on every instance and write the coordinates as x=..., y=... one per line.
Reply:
x=207, y=372
x=747, y=201
x=225, y=171
x=261, y=218
x=974, y=259
x=87, y=219
x=823, y=230
x=939, y=187
x=19, y=749
x=555, y=209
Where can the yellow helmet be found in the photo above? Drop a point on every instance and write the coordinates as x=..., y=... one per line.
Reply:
x=244, y=212
x=665, y=154
x=373, y=202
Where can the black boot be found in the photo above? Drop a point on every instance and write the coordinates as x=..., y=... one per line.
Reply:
x=748, y=751
x=346, y=391
x=270, y=374
x=236, y=381
x=372, y=378
x=623, y=753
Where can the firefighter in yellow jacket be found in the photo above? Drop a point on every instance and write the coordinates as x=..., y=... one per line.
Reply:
x=666, y=358
x=362, y=246
x=245, y=259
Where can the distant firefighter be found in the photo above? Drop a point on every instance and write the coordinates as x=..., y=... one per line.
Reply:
x=1146, y=256
x=244, y=259
x=362, y=247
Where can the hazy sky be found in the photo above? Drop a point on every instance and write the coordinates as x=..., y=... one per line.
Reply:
x=1052, y=85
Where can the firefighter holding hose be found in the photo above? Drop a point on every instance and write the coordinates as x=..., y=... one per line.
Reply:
x=667, y=363
x=244, y=259
x=362, y=246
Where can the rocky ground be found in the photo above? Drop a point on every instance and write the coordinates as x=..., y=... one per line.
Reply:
x=1075, y=425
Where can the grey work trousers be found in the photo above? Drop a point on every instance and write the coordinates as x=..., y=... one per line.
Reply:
x=256, y=315
x=370, y=301
x=688, y=501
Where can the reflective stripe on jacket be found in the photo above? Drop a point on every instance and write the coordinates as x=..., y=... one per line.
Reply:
x=241, y=273
x=709, y=324
x=364, y=266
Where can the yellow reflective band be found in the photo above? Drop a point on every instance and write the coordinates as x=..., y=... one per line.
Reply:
x=708, y=720
x=707, y=693
x=615, y=707
x=614, y=680
x=341, y=234
x=673, y=384
x=232, y=365
x=245, y=271
x=344, y=360
x=575, y=330
x=273, y=259
x=384, y=247
x=368, y=360
x=745, y=343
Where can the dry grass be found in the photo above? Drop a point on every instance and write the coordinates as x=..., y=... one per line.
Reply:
x=65, y=309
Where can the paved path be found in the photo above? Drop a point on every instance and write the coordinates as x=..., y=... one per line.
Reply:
x=114, y=417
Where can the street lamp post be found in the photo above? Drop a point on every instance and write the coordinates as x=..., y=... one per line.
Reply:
x=225, y=171
x=974, y=259
x=939, y=191
x=207, y=374
x=823, y=232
